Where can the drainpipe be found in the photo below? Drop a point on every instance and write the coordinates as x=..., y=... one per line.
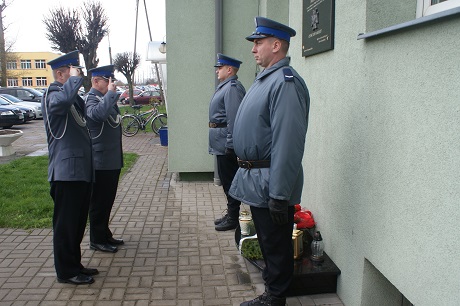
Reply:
x=218, y=27
x=218, y=48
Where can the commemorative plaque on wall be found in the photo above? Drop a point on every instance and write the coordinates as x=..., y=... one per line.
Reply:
x=317, y=26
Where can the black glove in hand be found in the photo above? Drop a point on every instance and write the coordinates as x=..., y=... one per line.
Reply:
x=278, y=211
x=230, y=153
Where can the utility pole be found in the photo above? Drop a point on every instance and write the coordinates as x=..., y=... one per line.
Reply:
x=110, y=49
x=135, y=32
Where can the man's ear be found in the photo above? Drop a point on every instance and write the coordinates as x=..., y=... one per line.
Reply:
x=276, y=45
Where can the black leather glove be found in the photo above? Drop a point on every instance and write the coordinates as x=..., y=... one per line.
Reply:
x=278, y=211
x=230, y=153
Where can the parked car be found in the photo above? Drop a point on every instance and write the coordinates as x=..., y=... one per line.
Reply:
x=26, y=111
x=35, y=106
x=10, y=116
x=120, y=91
x=23, y=93
x=147, y=97
x=125, y=95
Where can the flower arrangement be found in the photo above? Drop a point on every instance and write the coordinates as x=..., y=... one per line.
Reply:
x=250, y=249
x=303, y=218
x=304, y=221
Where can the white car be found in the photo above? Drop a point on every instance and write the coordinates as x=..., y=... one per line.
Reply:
x=35, y=106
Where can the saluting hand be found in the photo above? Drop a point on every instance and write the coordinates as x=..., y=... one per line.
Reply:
x=112, y=85
x=74, y=71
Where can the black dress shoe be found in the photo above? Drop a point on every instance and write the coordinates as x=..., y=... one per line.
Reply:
x=103, y=247
x=89, y=271
x=115, y=241
x=227, y=224
x=80, y=279
x=265, y=299
x=220, y=220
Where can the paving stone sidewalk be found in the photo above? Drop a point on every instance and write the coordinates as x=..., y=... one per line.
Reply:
x=172, y=254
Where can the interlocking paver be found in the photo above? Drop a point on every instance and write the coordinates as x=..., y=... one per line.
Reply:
x=172, y=254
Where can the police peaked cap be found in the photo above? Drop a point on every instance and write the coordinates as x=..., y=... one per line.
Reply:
x=105, y=72
x=66, y=60
x=223, y=60
x=269, y=28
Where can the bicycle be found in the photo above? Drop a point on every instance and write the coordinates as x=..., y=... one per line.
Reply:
x=132, y=123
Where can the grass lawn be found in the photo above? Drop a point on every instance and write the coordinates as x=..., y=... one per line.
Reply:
x=25, y=201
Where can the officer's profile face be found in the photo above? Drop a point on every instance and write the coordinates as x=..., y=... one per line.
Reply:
x=223, y=72
x=62, y=74
x=101, y=84
x=264, y=50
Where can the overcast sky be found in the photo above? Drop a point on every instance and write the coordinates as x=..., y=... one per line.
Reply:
x=24, y=21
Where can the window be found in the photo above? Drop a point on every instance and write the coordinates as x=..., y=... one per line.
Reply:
x=425, y=11
x=12, y=82
x=41, y=81
x=23, y=94
x=11, y=65
x=428, y=7
x=27, y=81
x=40, y=64
x=26, y=64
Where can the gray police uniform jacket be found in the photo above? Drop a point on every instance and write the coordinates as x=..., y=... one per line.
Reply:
x=222, y=109
x=103, y=121
x=271, y=124
x=69, y=143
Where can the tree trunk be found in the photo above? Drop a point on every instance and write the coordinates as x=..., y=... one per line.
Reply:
x=4, y=78
x=131, y=91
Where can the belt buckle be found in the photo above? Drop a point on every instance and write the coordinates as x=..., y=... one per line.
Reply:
x=212, y=125
x=247, y=164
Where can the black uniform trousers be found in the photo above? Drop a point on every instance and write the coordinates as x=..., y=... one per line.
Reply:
x=227, y=166
x=71, y=203
x=104, y=192
x=276, y=245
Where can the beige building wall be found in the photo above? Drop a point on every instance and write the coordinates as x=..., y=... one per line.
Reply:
x=43, y=73
x=382, y=156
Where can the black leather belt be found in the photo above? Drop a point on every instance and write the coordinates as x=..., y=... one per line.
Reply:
x=217, y=125
x=249, y=164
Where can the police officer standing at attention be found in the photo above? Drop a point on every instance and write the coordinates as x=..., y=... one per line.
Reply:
x=70, y=169
x=103, y=117
x=269, y=138
x=222, y=111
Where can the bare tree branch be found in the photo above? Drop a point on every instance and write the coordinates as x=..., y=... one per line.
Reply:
x=3, y=51
x=126, y=63
x=64, y=29
x=94, y=31
x=66, y=32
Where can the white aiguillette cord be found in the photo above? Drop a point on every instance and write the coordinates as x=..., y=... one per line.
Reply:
x=80, y=120
x=116, y=121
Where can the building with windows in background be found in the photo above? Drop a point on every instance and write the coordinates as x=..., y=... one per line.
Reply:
x=29, y=69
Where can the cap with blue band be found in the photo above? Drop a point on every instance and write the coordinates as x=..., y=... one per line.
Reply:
x=105, y=72
x=66, y=60
x=269, y=28
x=223, y=60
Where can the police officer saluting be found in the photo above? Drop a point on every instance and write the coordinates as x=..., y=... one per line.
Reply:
x=269, y=139
x=104, y=119
x=70, y=170
x=222, y=111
